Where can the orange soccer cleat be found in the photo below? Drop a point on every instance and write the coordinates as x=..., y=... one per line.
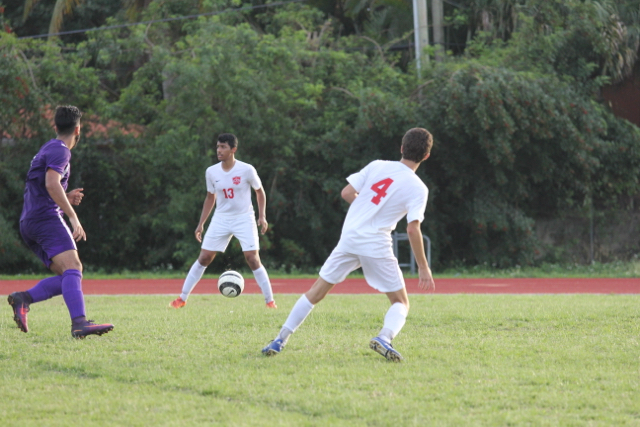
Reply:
x=178, y=303
x=272, y=304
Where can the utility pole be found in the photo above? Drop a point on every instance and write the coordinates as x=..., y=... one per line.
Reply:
x=420, y=31
x=437, y=18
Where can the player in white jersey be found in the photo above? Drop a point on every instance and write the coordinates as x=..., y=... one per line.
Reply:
x=380, y=195
x=229, y=185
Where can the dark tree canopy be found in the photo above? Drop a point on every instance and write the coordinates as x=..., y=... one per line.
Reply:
x=519, y=132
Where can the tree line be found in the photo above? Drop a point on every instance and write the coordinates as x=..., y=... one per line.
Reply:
x=519, y=131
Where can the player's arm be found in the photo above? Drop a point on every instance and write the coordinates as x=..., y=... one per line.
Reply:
x=207, y=207
x=349, y=193
x=425, y=279
x=261, y=198
x=56, y=192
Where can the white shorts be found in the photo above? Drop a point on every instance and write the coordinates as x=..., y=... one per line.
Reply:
x=382, y=274
x=223, y=228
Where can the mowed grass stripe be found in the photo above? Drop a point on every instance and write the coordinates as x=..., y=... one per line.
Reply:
x=470, y=360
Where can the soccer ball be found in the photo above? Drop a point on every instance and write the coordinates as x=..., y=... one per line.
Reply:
x=230, y=284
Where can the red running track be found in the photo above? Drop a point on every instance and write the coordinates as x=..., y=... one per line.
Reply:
x=356, y=286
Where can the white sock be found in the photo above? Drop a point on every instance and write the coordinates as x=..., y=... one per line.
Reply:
x=262, y=278
x=386, y=335
x=299, y=312
x=394, y=320
x=284, y=334
x=194, y=276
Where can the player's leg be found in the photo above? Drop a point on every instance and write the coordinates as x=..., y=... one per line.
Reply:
x=385, y=275
x=261, y=276
x=298, y=314
x=396, y=316
x=43, y=238
x=193, y=277
x=21, y=301
x=69, y=264
x=334, y=271
x=246, y=231
x=215, y=240
x=394, y=321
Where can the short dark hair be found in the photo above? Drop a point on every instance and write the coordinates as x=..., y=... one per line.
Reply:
x=66, y=119
x=416, y=143
x=228, y=138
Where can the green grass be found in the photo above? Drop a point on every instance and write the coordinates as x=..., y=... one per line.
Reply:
x=612, y=269
x=485, y=360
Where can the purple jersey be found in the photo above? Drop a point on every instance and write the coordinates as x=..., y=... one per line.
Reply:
x=37, y=202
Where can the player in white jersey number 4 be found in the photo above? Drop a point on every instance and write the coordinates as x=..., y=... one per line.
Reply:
x=229, y=185
x=380, y=195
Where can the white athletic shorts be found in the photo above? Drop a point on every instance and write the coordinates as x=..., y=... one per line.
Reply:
x=223, y=227
x=382, y=274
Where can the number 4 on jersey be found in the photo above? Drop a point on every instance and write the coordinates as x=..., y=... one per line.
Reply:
x=380, y=188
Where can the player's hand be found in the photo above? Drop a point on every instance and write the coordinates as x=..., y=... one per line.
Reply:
x=198, y=233
x=75, y=196
x=263, y=224
x=78, y=231
x=425, y=279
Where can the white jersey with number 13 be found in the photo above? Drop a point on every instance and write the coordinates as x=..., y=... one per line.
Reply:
x=233, y=188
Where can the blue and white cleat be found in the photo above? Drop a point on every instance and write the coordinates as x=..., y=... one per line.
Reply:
x=385, y=349
x=273, y=348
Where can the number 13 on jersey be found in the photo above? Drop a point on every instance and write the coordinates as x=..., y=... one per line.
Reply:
x=380, y=188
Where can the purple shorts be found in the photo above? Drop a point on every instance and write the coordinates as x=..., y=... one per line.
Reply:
x=47, y=237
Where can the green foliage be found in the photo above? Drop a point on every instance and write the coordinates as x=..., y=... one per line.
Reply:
x=518, y=135
x=576, y=39
x=306, y=118
x=512, y=147
x=34, y=78
x=14, y=256
x=619, y=157
x=39, y=17
x=20, y=92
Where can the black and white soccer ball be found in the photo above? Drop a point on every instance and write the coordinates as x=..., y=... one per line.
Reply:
x=231, y=284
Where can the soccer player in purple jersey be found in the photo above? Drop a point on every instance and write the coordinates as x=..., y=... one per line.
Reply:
x=47, y=235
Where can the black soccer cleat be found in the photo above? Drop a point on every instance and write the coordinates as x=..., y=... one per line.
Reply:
x=87, y=327
x=18, y=301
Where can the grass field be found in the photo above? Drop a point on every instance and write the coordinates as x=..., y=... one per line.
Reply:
x=485, y=360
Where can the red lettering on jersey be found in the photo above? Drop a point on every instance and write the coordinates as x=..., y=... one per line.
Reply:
x=380, y=188
x=236, y=180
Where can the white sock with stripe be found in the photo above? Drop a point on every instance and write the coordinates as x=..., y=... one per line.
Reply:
x=299, y=312
x=262, y=278
x=194, y=276
x=394, y=320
